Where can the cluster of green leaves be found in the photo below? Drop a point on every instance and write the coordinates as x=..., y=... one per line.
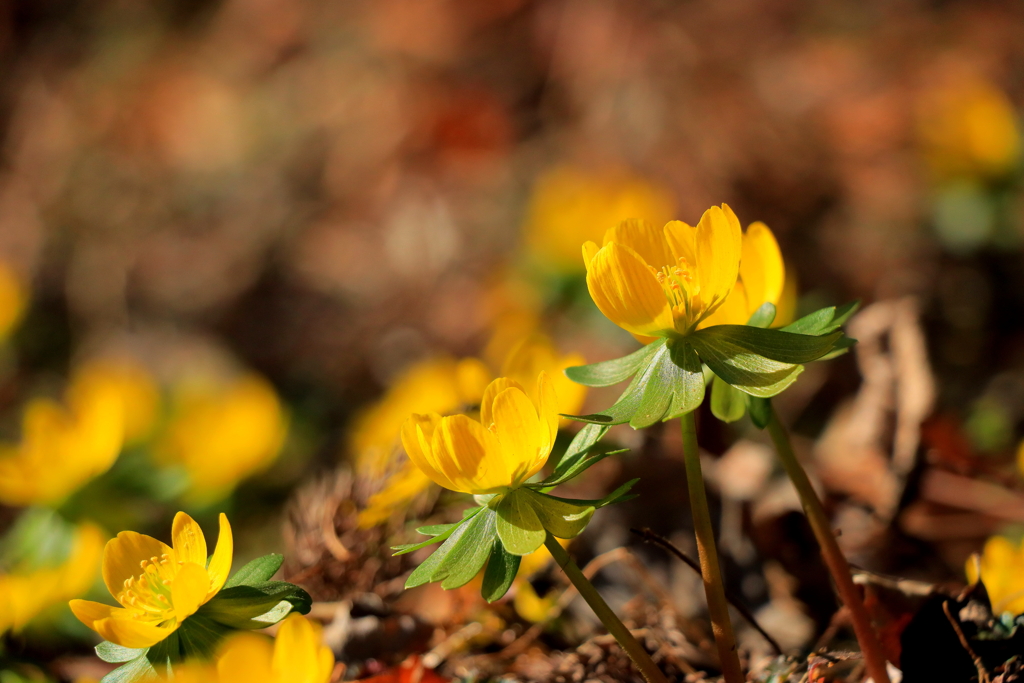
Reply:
x=249, y=600
x=744, y=364
x=502, y=528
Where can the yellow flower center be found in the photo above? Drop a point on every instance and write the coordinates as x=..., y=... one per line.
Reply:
x=148, y=595
x=681, y=290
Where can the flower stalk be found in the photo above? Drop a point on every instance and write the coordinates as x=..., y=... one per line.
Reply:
x=874, y=658
x=642, y=660
x=714, y=588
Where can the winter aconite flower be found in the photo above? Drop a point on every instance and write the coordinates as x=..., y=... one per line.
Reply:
x=25, y=594
x=664, y=282
x=297, y=655
x=1002, y=571
x=762, y=279
x=509, y=444
x=158, y=586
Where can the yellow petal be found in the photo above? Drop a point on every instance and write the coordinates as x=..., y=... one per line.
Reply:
x=220, y=563
x=735, y=310
x=122, y=557
x=470, y=455
x=719, y=244
x=681, y=240
x=298, y=654
x=127, y=632
x=589, y=249
x=89, y=612
x=548, y=407
x=519, y=431
x=493, y=389
x=189, y=589
x=245, y=657
x=627, y=292
x=417, y=438
x=761, y=268
x=646, y=240
x=188, y=540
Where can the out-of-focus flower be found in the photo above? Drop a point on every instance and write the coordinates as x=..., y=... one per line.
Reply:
x=222, y=433
x=762, y=278
x=656, y=282
x=297, y=655
x=969, y=129
x=571, y=206
x=437, y=385
x=527, y=603
x=509, y=444
x=442, y=387
x=158, y=586
x=63, y=448
x=1002, y=571
x=136, y=386
x=24, y=595
x=12, y=300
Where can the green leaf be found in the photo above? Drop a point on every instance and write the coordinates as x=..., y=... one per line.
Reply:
x=578, y=449
x=422, y=573
x=784, y=347
x=435, y=529
x=112, y=653
x=437, y=538
x=824, y=320
x=627, y=404
x=617, y=496
x=467, y=556
x=519, y=527
x=687, y=378
x=763, y=316
x=609, y=372
x=200, y=636
x=501, y=571
x=560, y=517
x=136, y=670
x=254, y=606
x=760, y=411
x=842, y=346
x=728, y=403
x=260, y=569
x=580, y=467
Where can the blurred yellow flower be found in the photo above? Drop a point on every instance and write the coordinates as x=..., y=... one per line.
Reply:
x=762, y=278
x=222, y=433
x=25, y=595
x=967, y=129
x=509, y=444
x=526, y=602
x=136, y=386
x=1002, y=571
x=571, y=205
x=12, y=300
x=297, y=655
x=158, y=586
x=62, y=448
x=658, y=282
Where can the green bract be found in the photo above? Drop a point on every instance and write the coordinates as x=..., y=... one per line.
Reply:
x=743, y=363
x=504, y=527
x=249, y=600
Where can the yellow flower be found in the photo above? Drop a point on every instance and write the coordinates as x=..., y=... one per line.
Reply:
x=295, y=656
x=571, y=205
x=526, y=602
x=1002, y=571
x=136, y=386
x=762, y=279
x=509, y=445
x=62, y=449
x=158, y=586
x=221, y=434
x=969, y=128
x=536, y=354
x=12, y=300
x=662, y=282
x=25, y=595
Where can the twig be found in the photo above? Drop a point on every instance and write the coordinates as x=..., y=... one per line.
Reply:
x=651, y=537
x=983, y=675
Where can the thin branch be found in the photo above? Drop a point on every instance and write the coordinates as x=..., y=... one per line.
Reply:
x=651, y=537
x=983, y=675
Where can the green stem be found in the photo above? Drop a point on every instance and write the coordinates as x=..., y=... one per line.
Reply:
x=714, y=588
x=640, y=658
x=837, y=565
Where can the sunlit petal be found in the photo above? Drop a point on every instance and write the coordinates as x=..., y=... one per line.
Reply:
x=627, y=292
x=472, y=455
x=246, y=657
x=493, y=389
x=220, y=563
x=417, y=437
x=122, y=557
x=188, y=540
x=645, y=239
x=761, y=268
x=189, y=589
x=719, y=246
x=128, y=632
x=519, y=431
